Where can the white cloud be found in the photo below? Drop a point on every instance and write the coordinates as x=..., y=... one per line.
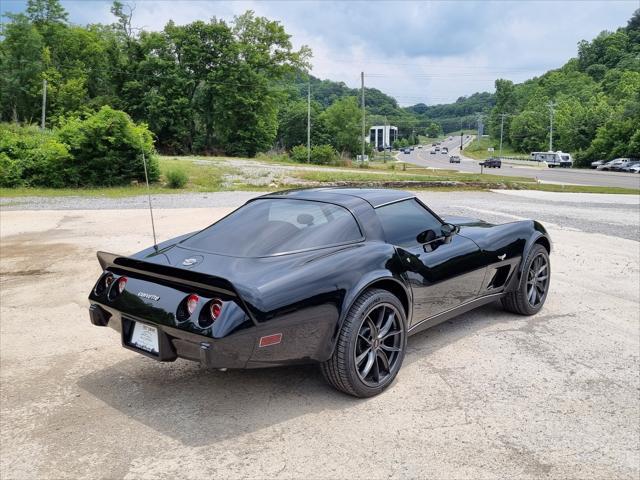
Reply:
x=430, y=52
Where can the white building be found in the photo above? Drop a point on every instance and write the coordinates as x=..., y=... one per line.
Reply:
x=381, y=136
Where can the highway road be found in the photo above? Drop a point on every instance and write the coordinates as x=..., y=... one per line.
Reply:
x=568, y=176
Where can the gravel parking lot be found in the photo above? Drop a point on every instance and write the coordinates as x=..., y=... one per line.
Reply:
x=486, y=395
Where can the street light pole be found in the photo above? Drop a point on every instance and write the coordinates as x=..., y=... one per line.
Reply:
x=363, y=119
x=502, y=115
x=309, y=122
x=551, y=106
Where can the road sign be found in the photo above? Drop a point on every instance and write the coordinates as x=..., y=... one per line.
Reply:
x=490, y=149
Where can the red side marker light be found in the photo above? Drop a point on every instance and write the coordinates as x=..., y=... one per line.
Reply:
x=269, y=340
x=122, y=282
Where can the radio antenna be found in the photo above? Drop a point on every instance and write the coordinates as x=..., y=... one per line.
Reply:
x=153, y=226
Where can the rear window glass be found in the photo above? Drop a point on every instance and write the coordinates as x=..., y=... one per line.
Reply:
x=272, y=226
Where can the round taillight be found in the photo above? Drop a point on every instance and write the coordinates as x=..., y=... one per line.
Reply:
x=215, y=308
x=122, y=282
x=192, y=303
x=104, y=283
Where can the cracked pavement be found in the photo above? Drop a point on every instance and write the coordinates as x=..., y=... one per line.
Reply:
x=486, y=395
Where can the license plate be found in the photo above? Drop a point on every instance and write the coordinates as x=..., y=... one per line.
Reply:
x=145, y=337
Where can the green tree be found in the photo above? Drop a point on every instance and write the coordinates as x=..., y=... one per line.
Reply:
x=344, y=124
x=21, y=68
x=528, y=131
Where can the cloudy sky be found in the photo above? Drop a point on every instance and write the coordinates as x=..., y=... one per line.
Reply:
x=431, y=52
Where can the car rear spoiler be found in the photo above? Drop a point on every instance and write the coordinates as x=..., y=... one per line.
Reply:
x=198, y=280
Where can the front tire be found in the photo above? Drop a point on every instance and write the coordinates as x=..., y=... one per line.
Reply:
x=370, y=347
x=531, y=293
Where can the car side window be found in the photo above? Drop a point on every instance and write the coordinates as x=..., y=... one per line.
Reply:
x=403, y=221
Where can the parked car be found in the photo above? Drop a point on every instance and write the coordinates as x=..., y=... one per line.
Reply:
x=492, y=163
x=412, y=148
x=614, y=164
x=454, y=159
x=432, y=152
x=629, y=166
x=419, y=146
x=433, y=144
x=336, y=277
x=634, y=168
x=625, y=162
x=406, y=150
x=597, y=163
x=437, y=149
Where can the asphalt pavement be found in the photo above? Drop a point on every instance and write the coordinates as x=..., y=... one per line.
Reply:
x=567, y=176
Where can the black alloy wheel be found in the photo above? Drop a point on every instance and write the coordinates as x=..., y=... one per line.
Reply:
x=379, y=344
x=533, y=286
x=370, y=347
x=537, y=280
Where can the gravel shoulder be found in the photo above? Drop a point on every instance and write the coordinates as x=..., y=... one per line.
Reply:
x=486, y=395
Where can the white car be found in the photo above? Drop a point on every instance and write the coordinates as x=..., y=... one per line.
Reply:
x=615, y=164
x=635, y=168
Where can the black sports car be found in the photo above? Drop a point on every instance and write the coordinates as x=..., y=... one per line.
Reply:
x=340, y=277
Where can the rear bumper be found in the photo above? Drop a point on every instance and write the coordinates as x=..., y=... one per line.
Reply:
x=305, y=339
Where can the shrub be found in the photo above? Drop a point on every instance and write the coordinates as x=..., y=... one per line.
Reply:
x=107, y=148
x=299, y=154
x=10, y=171
x=176, y=178
x=324, y=155
x=31, y=157
x=320, y=155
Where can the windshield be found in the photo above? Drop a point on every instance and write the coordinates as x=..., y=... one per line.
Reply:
x=273, y=226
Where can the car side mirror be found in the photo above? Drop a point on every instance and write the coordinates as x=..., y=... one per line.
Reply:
x=448, y=229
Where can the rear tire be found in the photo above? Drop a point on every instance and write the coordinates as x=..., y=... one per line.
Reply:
x=370, y=346
x=531, y=292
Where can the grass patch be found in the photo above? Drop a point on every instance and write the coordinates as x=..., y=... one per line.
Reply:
x=421, y=175
x=551, y=187
x=478, y=149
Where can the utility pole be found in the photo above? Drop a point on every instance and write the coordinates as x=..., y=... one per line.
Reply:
x=309, y=122
x=44, y=103
x=363, y=119
x=502, y=115
x=551, y=106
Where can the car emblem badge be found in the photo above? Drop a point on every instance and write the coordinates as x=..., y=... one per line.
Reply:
x=502, y=257
x=148, y=296
x=187, y=262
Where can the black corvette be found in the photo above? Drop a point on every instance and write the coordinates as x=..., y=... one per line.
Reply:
x=340, y=277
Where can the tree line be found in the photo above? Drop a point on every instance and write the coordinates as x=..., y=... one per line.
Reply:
x=594, y=99
x=240, y=88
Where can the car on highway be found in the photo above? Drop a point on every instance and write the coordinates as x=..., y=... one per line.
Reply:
x=406, y=150
x=437, y=149
x=454, y=159
x=492, y=163
x=445, y=150
x=433, y=144
x=432, y=152
x=339, y=277
x=634, y=168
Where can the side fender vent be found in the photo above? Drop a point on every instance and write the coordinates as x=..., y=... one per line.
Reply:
x=499, y=277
